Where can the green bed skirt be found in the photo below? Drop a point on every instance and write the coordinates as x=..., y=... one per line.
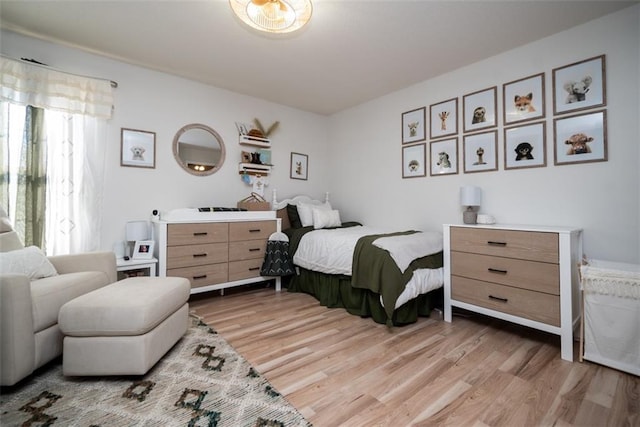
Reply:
x=335, y=291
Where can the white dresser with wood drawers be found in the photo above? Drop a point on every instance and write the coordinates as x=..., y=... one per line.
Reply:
x=523, y=274
x=215, y=250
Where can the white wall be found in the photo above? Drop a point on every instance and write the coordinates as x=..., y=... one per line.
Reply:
x=163, y=103
x=602, y=198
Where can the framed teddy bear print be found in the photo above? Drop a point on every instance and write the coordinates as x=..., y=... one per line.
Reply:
x=579, y=86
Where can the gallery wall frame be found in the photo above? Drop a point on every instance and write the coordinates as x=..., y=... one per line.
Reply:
x=525, y=146
x=480, y=152
x=137, y=148
x=523, y=99
x=414, y=126
x=479, y=110
x=414, y=161
x=444, y=157
x=443, y=117
x=299, y=167
x=580, y=86
x=581, y=138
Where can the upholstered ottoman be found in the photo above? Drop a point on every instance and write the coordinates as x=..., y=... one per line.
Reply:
x=123, y=328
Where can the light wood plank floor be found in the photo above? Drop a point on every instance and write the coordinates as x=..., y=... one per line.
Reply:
x=342, y=370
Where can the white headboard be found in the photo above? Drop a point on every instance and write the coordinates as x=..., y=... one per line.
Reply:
x=276, y=205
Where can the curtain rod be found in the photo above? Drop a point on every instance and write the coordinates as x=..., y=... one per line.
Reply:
x=42, y=64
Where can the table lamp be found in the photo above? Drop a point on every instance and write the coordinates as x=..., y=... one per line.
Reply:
x=470, y=197
x=135, y=232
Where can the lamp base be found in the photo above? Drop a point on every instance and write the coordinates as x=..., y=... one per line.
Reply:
x=470, y=217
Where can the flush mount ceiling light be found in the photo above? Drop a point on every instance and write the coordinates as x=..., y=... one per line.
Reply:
x=273, y=16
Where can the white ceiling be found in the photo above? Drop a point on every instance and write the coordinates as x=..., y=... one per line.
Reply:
x=352, y=51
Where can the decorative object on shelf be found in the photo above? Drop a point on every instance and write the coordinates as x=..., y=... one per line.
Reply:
x=143, y=249
x=581, y=138
x=524, y=99
x=137, y=148
x=479, y=110
x=414, y=125
x=414, y=161
x=480, y=152
x=136, y=231
x=266, y=133
x=444, y=157
x=299, y=168
x=470, y=197
x=525, y=146
x=579, y=86
x=444, y=118
x=273, y=16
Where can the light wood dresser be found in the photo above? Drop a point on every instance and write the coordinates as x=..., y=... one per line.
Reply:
x=523, y=274
x=216, y=250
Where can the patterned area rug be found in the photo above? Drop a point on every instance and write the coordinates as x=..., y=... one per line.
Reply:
x=201, y=381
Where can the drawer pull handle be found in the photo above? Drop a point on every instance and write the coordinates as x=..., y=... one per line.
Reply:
x=492, y=243
x=254, y=268
x=254, y=249
x=254, y=230
x=204, y=276
x=495, y=270
x=201, y=233
x=199, y=255
x=498, y=299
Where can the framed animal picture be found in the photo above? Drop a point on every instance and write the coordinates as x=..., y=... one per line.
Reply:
x=523, y=100
x=580, y=86
x=581, y=138
x=444, y=157
x=480, y=152
x=414, y=159
x=137, y=148
x=443, y=118
x=299, y=168
x=525, y=146
x=414, y=127
x=479, y=110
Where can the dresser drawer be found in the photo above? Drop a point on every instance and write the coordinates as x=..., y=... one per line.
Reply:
x=247, y=249
x=203, y=275
x=191, y=255
x=190, y=234
x=530, y=245
x=531, y=305
x=535, y=276
x=251, y=230
x=239, y=270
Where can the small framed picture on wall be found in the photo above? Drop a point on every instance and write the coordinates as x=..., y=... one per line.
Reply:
x=414, y=161
x=299, y=168
x=444, y=118
x=479, y=110
x=523, y=100
x=579, y=86
x=581, y=138
x=444, y=157
x=525, y=146
x=137, y=148
x=481, y=152
x=414, y=126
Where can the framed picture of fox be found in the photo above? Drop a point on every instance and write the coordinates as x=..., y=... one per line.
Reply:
x=523, y=100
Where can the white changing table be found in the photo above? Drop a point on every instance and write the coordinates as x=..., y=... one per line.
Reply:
x=610, y=333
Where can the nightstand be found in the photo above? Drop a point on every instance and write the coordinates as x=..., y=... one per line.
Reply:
x=136, y=267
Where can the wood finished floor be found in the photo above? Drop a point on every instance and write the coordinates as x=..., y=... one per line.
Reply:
x=342, y=370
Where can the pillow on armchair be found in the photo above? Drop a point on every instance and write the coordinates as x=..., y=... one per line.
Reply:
x=30, y=261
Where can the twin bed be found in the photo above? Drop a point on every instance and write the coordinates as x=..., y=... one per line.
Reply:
x=389, y=275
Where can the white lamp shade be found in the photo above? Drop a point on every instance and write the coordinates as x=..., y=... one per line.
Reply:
x=137, y=230
x=470, y=195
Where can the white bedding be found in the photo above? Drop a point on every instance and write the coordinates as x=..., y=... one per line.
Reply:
x=331, y=252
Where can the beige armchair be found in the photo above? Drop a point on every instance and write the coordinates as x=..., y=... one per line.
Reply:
x=29, y=332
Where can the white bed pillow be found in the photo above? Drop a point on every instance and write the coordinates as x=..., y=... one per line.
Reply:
x=30, y=261
x=323, y=218
x=305, y=212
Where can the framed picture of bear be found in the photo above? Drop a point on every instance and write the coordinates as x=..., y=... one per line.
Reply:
x=525, y=146
x=579, y=86
x=444, y=157
x=414, y=159
x=581, y=138
x=299, y=167
x=523, y=100
x=479, y=110
x=481, y=152
x=414, y=126
x=137, y=148
x=444, y=118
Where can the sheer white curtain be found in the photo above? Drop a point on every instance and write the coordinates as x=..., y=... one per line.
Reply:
x=77, y=110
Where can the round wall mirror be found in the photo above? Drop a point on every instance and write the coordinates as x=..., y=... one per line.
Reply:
x=199, y=149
